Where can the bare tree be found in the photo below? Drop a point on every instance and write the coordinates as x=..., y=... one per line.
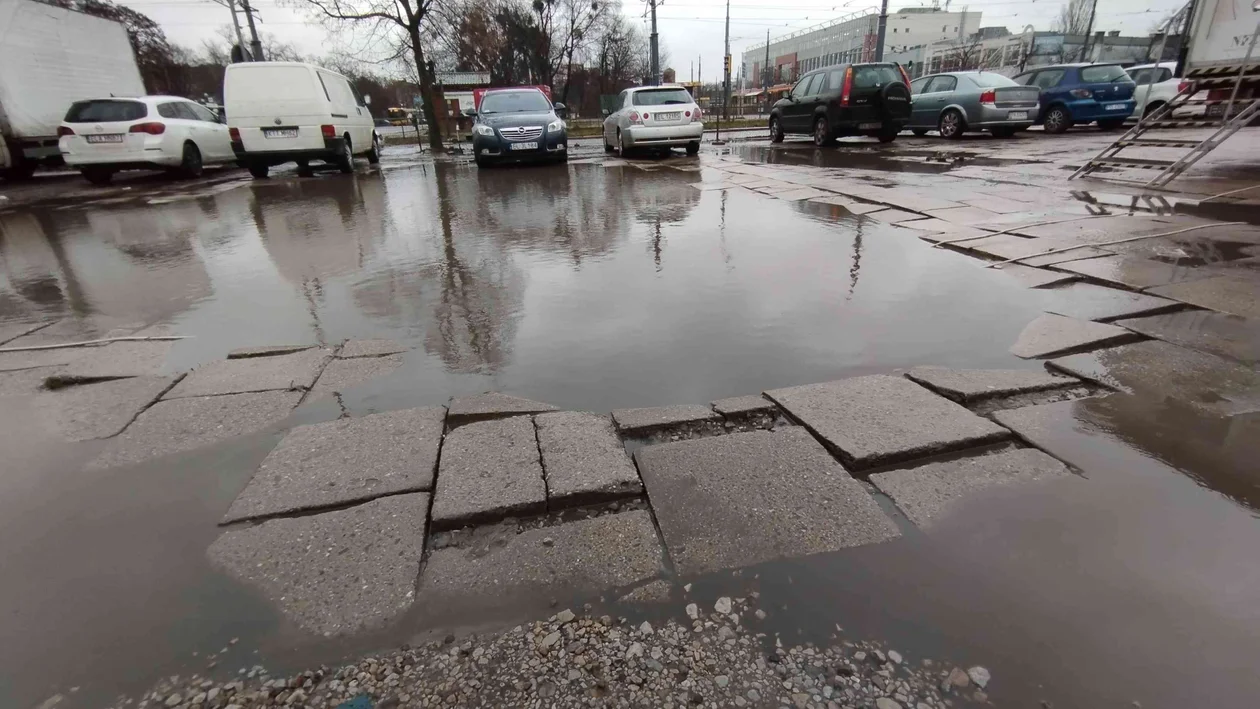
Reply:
x=580, y=17
x=1074, y=17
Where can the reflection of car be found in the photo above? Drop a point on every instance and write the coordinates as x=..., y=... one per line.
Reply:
x=957, y=102
x=102, y=136
x=1155, y=86
x=844, y=100
x=1081, y=93
x=518, y=125
x=654, y=117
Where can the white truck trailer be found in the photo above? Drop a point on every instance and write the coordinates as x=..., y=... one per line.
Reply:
x=51, y=57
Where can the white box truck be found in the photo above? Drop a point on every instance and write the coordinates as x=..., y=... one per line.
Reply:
x=51, y=57
x=1221, y=35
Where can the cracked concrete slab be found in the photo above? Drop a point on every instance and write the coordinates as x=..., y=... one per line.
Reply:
x=1233, y=294
x=1090, y=302
x=116, y=360
x=253, y=374
x=1036, y=277
x=267, y=351
x=583, y=459
x=928, y=493
x=642, y=421
x=181, y=425
x=966, y=216
x=493, y=404
x=967, y=385
x=852, y=206
x=25, y=382
x=731, y=501
x=882, y=419
x=341, y=374
x=86, y=411
x=1221, y=334
x=489, y=470
x=799, y=194
x=344, y=461
x=31, y=359
x=894, y=216
x=1135, y=272
x=1051, y=334
x=14, y=330
x=612, y=550
x=370, y=348
x=336, y=572
x=745, y=406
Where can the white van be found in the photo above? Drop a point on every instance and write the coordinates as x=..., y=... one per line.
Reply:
x=280, y=112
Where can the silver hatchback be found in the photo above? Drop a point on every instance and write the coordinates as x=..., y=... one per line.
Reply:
x=961, y=101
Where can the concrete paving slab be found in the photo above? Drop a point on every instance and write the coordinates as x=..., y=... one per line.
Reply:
x=943, y=230
x=583, y=459
x=489, y=470
x=1051, y=334
x=344, y=461
x=731, y=501
x=341, y=374
x=799, y=194
x=266, y=351
x=1100, y=229
x=1036, y=277
x=25, y=382
x=928, y=493
x=590, y=555
x=1170, y=372
x=882, y=419
x=1087, y=301
x=1135, y=272
x=894, y=216
x=491, y=405
x=370, y=348
x=236, y=376
x=181, y=425
x=912, y=201
x=1229, y=336
x=966, y=216
x=13, y=361
x=86, y=411
x=853, y=206
x=116, y=360
x=337, y=572
x=14, y=330
x=745, y=406
x=967, y=385
x=999, y=205
x=641, y=421
x=1236, y=295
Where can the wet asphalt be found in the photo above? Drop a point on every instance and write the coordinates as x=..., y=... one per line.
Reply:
x=597, y=286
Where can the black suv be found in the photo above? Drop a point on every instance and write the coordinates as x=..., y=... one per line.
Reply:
x=844, y=100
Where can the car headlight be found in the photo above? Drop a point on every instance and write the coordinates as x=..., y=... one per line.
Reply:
x=555, y=125
x=482, y=129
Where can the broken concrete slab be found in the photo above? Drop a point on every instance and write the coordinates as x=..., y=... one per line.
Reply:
x=492, y=405
x=266, y=351
x=181, y=425
x=653, y=592
x=737, y=406
x=583, y=459
x=115, y=361
x=1135, y=272
x=1051, y=334
x=1233, y=294
x=337, y=572
x=1229, y=336
x=850, y=205
x=1170, y=372
x=344, y=461
x=341, y=374
x=489, y=470
x=968, y=385
x=296, y=371
x=894, y=216
x=370, y=348
x=882, y=419
x=590, y=555
x=928, y=493
x=643, y=421
x=86, y=411
x=31, y=359
x=1087, y=301
x=966, y=216
x=1036, y=277
x=731, y=501
x=796, y=195
x=1031, y=252
x=14, y=330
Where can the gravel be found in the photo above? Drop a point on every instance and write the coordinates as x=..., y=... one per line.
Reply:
x=573, y=661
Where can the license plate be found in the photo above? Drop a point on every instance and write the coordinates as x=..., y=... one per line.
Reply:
x=1116, y=106
x=870, y=126
x=280, y=133
x=669, y=116
x=107, y=138
x=1017, y=116
x=524, y=146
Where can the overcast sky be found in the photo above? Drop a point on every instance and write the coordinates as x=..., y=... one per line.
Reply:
x=690, y=30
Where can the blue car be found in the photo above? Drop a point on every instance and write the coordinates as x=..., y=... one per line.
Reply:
x=1072, y=94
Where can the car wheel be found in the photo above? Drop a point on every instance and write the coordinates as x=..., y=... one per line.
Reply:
x=374, y=155
x=1057, y=120
x=622, y=150
x=98, y=175
x=1152, y=108
x=776, y=130
x=693, y=148
x=920, y=132
x=259, y=170
x=345, y=159
x=888, y=135
x=822, y=132
x=1111, y=124
x=23, y=170
x=951, y=125
x=190, y=166
x=608, y=148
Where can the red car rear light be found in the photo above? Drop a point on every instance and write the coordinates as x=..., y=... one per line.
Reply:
x=234, y=134
x=988, y=98
x=635, y=117
x=646, y=116
x=696, y=116
x=153, y=128
x=328, y=131
x=64, y=130
x=1081, y=93
x=848, y=87
x=1184, y=86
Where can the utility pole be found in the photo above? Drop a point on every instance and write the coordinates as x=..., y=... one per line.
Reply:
x=765, y=69
x=883, y=28
x=255, y=46
x=726, y=67
x=236, y=23
x=1089, y=30
x=656, y=50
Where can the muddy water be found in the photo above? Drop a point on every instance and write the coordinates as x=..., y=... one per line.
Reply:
x=597, y=288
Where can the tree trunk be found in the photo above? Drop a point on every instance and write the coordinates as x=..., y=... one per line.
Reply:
x=428, y=96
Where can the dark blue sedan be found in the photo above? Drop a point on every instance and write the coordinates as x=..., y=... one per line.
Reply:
x=1072, y=94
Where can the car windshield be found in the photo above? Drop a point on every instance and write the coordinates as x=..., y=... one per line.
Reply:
x=988, y=80
x=106, y=111
x=661, y=97
x=515, y=102
x=1103, y=73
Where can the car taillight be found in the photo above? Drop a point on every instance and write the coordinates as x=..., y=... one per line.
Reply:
x=150, y=128
x=1184, y=86
x=635, y=117
x=234, y=134
x=988, y=98
x=1081, y=93
x=696, y=116
x=64, y=130
x=646, y=116
x=328, y=131
x=848, y=86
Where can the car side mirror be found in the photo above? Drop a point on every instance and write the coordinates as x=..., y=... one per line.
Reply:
x=560, y=109
x=470, y=112
x=605, y=113
x=367, y=100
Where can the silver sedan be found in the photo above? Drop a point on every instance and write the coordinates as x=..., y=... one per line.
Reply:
x=961, y=101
